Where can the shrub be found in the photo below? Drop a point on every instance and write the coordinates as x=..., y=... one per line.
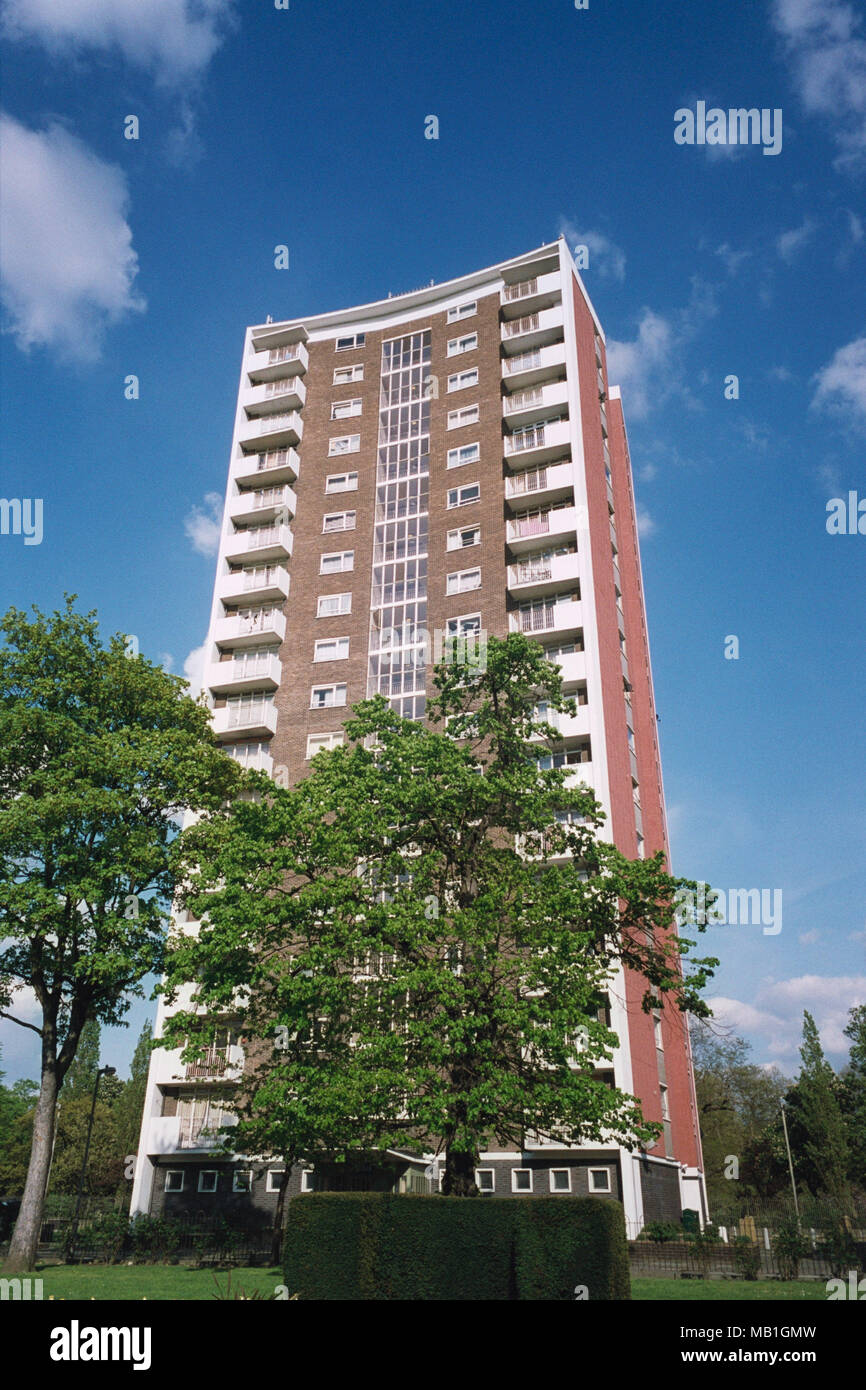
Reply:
x=379, y=1246
x=747, y=1258
x=661, y=1231
x=789, y=1246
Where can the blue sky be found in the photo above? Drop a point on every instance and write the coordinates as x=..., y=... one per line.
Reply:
x=305, y=126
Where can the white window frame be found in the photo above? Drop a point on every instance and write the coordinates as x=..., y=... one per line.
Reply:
x=457, y=346
x=335, y=687
x=346, y=341
x=521, y=1190
x=333, y=479
x=606, y=1174
x=456, y=380
x=270, y=1185
x=344, y=410
x=341, y=555
x=344, y=605
x=492, y=1172
x=456, y=621
x=174, y=1173
x=454, y=460
x=344, y=376
x=457, y=575
x=242, y=1173
x=348, y=519
x=458, y=312
x=308, y=1180
x=458, y=493
x=454, y=538
x=334, y=738
x=344, y=444
x=331, y=642
x=209, y=1172
x=567, y=1172
x=454, y=416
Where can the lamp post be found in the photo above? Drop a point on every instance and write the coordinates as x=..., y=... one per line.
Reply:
x=73, y=1235
x=790, y=1161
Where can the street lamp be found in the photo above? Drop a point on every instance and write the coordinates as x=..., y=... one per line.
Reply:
x=790, y=1161
x=73, y=1235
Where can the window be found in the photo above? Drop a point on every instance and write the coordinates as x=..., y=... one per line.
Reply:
x=521, y=1180
x=344, y=444
x=462, y=311
x=657, y=1029
x=332, y=649
x=207, y=1180
x=467, y=416
x=340, y=410
x=331, y=604
x=174, y=1180
x=599, y=1180
x=337, y=562
x=485, y=1179
x=317, y=742
x=458, y=345
x=339, y=521
x=308, y=1180
x=466, y=535
x=666, y=1109
x=341, y=482
x=461, y=580
x=467, y=622
x=274, y=1179
x=242, y=1180
x=560, y=1180
x=351, y=340
x=462, y=496
x=460, y=380
x=465, y=453
x=327, y=696
x=344, y=375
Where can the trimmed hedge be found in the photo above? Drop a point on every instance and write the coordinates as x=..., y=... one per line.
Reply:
x=380, y=1246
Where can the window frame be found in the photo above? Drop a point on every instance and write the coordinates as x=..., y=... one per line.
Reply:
x=334, y=554
x=591, y=1186
x=174, y=1173
x=335, y=477
x=522, y=1191
x=339, y=612
x=453, y=459
x=352, y=442
x=336, y=741
x=492, y=1187
x=242, y=1173
x=453, y=421
x=209, y=1172
x=331, y=685
x=273, y=1173
x=347, y=341
x=460, y=574
x=330, y=642
x=567, y=1172
x=458, y=346
x=339, y=380
x=456, y=384
x=458, y=312
x=335, y=530
x=351, y=413
x=461, y=488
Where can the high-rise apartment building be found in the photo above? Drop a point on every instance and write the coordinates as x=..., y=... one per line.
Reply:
x=447, y=461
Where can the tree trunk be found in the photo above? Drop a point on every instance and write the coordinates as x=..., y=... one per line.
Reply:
x=277, y=1234
x=459, y=1177
x=25, y=1238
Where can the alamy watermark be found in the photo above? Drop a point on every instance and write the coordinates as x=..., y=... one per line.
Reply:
x=408, y=645
x=22, y=516
x=737, y=126
x=757, y=907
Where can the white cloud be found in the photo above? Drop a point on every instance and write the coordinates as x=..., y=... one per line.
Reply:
x=809, y=938
x=193, y=670
x=647, y=367
x=67, y=264
x=790, y=244
x=776, y=1015
x=781, y=374
x=203, y=524
x=645, y=523
x=824, y=43
x=842, y=383
x=732, y=259
x=175, y=39
x=605, y=257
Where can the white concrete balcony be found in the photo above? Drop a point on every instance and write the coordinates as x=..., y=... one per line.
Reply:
x=572, y=667
x=233, y=677
x=577, y=774
x=268, y=336
x=534, y=577
x=288, y=360
x=538, y=443
x=263, y=626
x=273, y=431
x=532, y=366
x=266, y=470
x=570, y=726
x=533, y=330
x=216, y=1064
x=262, y=505
x=547, y=483
x=527, y=296
x=271, y=582
x=548, y=617
x=286, y=393
x=254, y=720
x=171, y=1134
x=259, y=544
x=532, y=403
x=556, y=525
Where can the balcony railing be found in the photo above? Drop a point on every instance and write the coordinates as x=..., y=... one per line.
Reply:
x=530, y=526
x=534, y=574
x=533, y=480
x=515, y=327
x=212, y=1063
x=523, y=362
x=521, y=291
x=537, y=618
x=524, y=400
x=276, y=458
x=284, y=354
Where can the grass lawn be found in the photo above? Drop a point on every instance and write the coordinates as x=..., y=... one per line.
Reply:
x=719, y=1290
x=176, y=1283
x=153, y=1282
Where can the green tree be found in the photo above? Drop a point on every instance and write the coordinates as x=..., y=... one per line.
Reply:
x=16, y=1126
x=81, y=1077
x=99, y=753
x=129, y=1106
x=104, y=1171
x=825, y=1143
x=853, y=1094
x=418, y=938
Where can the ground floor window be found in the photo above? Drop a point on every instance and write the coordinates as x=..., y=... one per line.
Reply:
x=521, y=1180
x=174, y=1180
x=485, y=1179
x=560, y=1180
x=242, y=1180
x=275, y=1177
x=207, y=1180
x=599, y=1180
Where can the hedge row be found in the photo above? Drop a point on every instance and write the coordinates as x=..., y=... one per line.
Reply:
x=380, y=1246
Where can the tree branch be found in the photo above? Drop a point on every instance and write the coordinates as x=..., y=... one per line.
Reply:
x=21, y=1022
